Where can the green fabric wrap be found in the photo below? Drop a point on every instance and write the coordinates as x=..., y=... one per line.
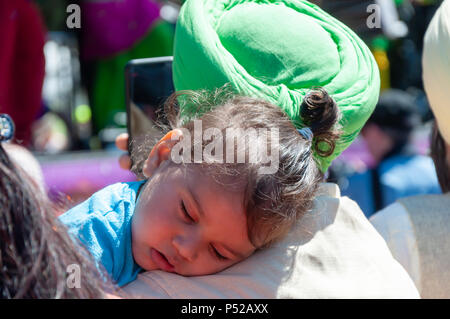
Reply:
x=277, y=50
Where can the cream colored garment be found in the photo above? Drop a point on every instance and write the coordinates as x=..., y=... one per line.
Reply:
x=430, y=217
x=436, y=67
x=395, y=225
x=417, y=231
x=333, y=252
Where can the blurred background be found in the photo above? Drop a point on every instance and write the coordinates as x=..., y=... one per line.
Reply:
x=65, y=89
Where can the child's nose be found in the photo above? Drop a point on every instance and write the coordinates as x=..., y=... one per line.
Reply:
x=187, y=246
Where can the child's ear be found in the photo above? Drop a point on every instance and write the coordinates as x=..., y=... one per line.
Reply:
x=161, y=151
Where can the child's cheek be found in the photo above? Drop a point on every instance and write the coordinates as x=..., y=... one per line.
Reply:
x=154, y=218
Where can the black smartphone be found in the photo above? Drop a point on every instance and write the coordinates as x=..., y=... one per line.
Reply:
x=148, y=83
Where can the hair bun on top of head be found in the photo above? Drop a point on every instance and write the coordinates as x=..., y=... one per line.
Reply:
x=6, y=128
x=320, y=113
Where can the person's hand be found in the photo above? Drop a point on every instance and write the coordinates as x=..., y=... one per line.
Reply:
x=122, y=144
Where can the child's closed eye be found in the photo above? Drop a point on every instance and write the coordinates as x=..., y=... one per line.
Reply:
x=217, y=254
x=189, y=219
x=186, y=214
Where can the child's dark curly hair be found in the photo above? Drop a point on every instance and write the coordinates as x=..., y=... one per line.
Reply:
x=273, y=202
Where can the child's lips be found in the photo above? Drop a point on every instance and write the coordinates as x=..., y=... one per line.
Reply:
x=161, y=261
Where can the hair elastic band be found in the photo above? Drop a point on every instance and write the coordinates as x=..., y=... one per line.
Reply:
x=307, y=133
x=6, y=128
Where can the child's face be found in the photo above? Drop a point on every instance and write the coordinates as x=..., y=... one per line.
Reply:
x=184, y=222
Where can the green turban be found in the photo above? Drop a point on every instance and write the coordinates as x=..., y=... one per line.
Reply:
x=277, y=50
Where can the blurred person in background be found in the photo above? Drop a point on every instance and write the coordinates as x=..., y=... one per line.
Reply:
x=22, y=64
x=417, y=228
x=387, y=135
x=405, y=54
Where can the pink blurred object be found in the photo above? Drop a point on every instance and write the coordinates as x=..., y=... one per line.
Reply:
x=77, y=175
x=358, y=155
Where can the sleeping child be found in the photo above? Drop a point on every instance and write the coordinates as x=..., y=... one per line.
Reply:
x=197, y=215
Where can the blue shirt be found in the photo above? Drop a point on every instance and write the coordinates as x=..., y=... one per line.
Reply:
x=400, y=176
x=103, y=224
